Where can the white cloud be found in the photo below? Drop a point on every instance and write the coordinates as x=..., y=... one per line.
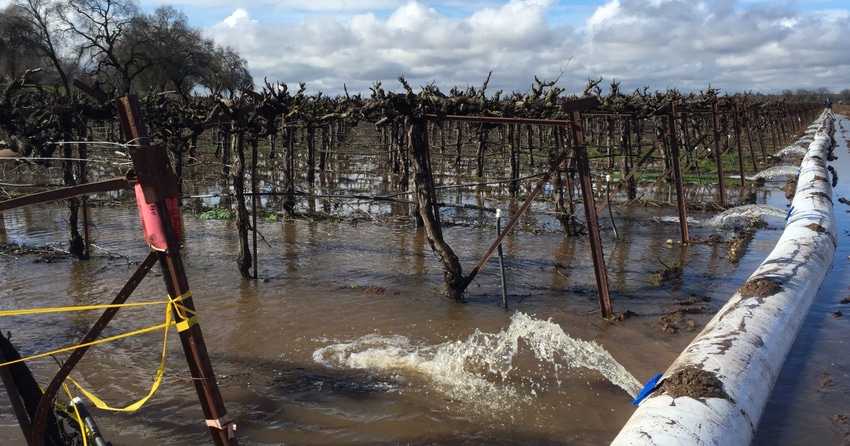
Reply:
x=239, y=19
x=604, y=14
x=688, y=44
x=680, y=44
x=414, y=41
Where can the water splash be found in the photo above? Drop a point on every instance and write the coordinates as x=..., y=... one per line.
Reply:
x=775, y=171
x=488, y=369
x=740, y=216
x=744, y=214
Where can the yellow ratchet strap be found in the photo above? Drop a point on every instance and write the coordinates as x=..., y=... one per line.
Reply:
x=89, y=344
x=189, y=317
x=27, y=311
x=157, y=380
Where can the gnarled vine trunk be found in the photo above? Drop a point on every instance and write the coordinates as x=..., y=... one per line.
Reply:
x=417, y=139
x=76, y=244
x=244, y=259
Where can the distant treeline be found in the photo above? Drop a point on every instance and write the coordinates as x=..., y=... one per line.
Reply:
x=818, y=95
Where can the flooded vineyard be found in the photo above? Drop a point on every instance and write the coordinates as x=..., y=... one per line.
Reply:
x=344, y=337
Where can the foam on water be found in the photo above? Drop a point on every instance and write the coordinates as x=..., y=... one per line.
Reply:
x=792, y=150
x=775, y=171
x=744, y=214
x=735, y=217
x=484, y=368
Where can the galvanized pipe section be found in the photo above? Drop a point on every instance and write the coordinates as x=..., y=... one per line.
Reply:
x=716, y=391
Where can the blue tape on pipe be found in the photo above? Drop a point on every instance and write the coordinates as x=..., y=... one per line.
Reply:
x=789, y=213
x=647, y=389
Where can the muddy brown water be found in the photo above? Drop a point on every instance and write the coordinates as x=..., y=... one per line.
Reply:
x=346, y=340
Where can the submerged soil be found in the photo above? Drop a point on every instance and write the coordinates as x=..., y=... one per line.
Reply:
x=36, y=254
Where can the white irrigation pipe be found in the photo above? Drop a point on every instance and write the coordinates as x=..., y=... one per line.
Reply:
x=716, y=390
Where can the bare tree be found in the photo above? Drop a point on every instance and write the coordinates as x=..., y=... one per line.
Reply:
x=823, y=93
x=806, y=95
x=47, y=39
x=180, y=55
x=115, y=40
x=15, y=57
x=228, y=72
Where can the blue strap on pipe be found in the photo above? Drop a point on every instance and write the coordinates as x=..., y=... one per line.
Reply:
x=650, y=387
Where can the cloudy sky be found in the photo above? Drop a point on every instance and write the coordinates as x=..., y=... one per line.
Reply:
x=758, y=45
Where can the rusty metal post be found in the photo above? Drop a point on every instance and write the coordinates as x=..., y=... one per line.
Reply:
x=748, y=129
x=159, y=183
x=784, y=132
x=787, y=124
x=780, y=125
x=18, y=407
x=630, y=184
x=255, y=204
x=760, y=129
x=573, y=229
x=677, y=178
x=583, y=167
x=65, y=193
x=502, y=260
x=718, y=154
x=736, y=122
x=774, y=132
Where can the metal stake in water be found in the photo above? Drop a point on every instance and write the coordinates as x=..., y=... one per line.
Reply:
x=610, y=212
x=501, y=259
